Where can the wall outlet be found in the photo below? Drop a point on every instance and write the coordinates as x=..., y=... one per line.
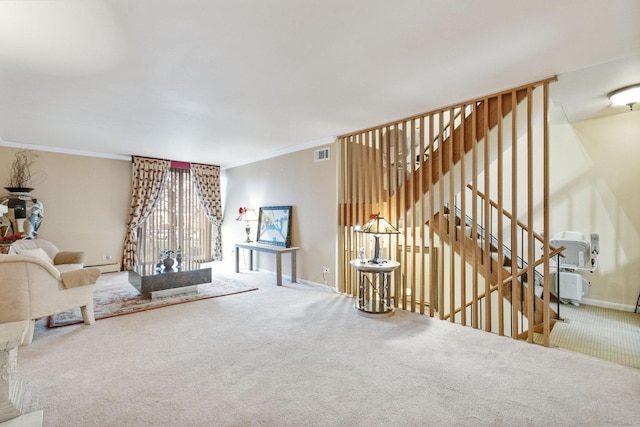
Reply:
x=325, y=270
x=107, y=257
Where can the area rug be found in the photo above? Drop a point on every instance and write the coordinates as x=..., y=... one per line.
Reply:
x=115, y=296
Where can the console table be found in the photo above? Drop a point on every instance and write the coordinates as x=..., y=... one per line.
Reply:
x=277, y=250
x=374, y=296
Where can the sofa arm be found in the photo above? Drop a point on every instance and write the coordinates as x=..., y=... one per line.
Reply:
x=28, y=259
x=68, y=257
x=81, y=277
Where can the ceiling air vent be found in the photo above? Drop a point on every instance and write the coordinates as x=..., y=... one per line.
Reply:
x=321, y=155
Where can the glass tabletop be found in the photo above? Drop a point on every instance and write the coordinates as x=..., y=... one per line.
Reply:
x=159, y=268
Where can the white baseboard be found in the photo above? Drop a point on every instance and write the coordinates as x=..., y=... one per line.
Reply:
x=107, y=268
x=318, y=285
x=607, y=304
x=287, y=278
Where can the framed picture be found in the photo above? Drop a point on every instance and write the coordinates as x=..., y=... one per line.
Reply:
x=274, y=225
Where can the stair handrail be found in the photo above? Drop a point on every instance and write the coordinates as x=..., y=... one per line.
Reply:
x=495, y=287
x=508, y=214
x=556, y=251
x=507, y=250
x=524, y=227
x=448, y=126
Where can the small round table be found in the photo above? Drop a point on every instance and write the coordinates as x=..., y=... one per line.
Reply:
x=374, y=296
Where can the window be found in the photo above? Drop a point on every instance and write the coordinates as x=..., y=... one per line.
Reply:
x=177, y=223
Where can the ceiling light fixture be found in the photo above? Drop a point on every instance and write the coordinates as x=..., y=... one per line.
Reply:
x=628, y=95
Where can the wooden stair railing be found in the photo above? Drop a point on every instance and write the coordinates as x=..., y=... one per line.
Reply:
x=473, y=248
x=442, y=152
x=410, y=169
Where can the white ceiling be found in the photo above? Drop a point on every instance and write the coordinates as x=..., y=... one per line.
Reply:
x=228, y=82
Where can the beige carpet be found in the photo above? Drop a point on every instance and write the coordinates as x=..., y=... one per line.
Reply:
x=299, y=355
x=599, y=332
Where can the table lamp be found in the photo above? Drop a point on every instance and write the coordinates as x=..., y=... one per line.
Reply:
x=247, y=214
x=377, y=226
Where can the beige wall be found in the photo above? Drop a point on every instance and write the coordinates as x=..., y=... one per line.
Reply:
x=85, y=201
x=594, y=189
x=292, y=179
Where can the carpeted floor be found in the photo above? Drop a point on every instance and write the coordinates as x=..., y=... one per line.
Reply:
x=598, y=332
x=115, y=296
x=299, y=355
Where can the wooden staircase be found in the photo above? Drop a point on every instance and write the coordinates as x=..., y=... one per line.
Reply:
x=472, y=130
x=410, y=169
x=473, y=250
x=483, y=117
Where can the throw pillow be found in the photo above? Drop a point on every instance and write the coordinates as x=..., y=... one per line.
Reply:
x=38, y=253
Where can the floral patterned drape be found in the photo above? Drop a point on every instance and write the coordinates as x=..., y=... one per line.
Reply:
x=207, y=181
x=149, y=176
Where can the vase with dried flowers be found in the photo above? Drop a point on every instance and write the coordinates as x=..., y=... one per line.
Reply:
x=27, y=211
x=20, y=176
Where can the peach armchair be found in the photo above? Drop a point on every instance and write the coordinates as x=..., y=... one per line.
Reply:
x=32, y=287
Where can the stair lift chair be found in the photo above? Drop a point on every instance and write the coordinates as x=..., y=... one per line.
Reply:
x=580, y=256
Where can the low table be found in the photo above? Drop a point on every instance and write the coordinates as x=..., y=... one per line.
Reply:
x=152, y=283
x=277, y=250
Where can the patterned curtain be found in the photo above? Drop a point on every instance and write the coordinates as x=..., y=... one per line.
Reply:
x=148, y=179
x=207, y=181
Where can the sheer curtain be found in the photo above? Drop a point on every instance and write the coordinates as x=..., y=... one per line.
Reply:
x=148, y=179
x=178, y=225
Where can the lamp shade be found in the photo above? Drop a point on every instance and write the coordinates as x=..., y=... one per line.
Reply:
x=247, y=214
x=378, y=225
x=626, y=96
